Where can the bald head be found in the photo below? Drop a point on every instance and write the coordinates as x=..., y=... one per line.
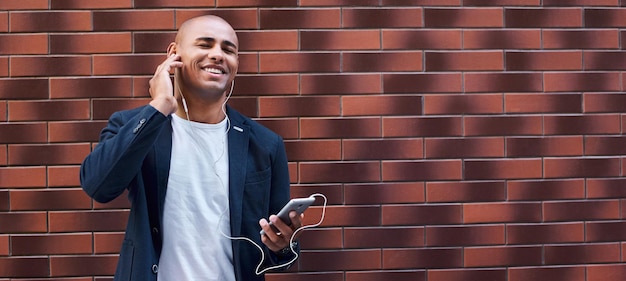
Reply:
x=207, y=22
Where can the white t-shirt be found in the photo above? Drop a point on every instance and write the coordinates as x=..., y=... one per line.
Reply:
x=195, y=204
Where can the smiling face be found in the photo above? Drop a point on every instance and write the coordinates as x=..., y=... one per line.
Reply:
x=208, y=47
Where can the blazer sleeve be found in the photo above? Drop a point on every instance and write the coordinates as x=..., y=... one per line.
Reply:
x=124, y=143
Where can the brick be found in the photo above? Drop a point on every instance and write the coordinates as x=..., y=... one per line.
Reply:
x=387, y=237
x=502, y=39
x=382, y=61
x=421, y=214
x=90, y=87
x=333, y=192
x=82, y=265
x=422, y=258
x=304, y=276
x=570, y=273
x=24, y=267
x=503, y=125
x=22, y=177
x=467, y=274
x=463, y=104
x=287, y=128
x=4, y=245
x=23, y=44
x=423, y=82
x=326, y=238
x=24, y=5
x=447, y=236
x=51, y=244
x=48, y=110
x=544, y=60
x=152, y=42
x=50, y=21
x=382, y=275
x=59, y=199
x=87, y=221
x=581, y=210
x=4, y=205
x=344, y=216
x=103, y=108
x=571, y=232
x=604, y=18
x=464, y=147
x=75, y=131
x=90, y=43
x=421, y=39
x=605, y=231
x=263, y=85
x=343, y=260
x=133, y=20
x=544, y=18
x=18, y=222
x=15, y=88
x=255, y=3
x=299, y=62
x=581, y=254
x=313, y=150
x=543, y=103
x=501, y=212
x=3, y=111
x=603, y=60
x=591, y=3
x=422, y=126
x=384, y=193
x=268, y=40
x=581, y=167
x=503, y=82
x=606, y=188
x=420, y=2
x=173, y=4
x=466, y=17
x=314, y=3
x=48, y=154
x=340, y=40
x=382, y=17
x=544, y=146
x=606, y=272
x=4, y=67
x=464, y=61
x=63, y=176
x=340, y=84
x=107, y=242
x=438, y=192
x=78, y=4
x=299, y=106
x=23, y=133
x=526, y=190
x=126, y=64
x=381, y=105
x=582, y=124
x=300, y=19
x=502, y=169
x=604, y=103
x=121, y=202
x=422, y=170
x=581, y=82
x=339, y=172
x=382, y=149
x=51, y=66
x=239, y=18
x=580, y=39
x=502, y=256
x=340, y=128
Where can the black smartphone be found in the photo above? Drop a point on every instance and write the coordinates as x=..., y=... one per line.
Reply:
x=296, y=204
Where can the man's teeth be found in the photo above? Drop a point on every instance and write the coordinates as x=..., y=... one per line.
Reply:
x=213, y=70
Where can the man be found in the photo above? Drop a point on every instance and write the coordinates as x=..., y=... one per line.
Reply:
x=199, y=174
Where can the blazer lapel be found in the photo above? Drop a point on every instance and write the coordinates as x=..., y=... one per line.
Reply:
x=238, y=137
x=163, y=152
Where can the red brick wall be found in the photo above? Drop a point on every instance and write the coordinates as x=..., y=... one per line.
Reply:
x=455, y=139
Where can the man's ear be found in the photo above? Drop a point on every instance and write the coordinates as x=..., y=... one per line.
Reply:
x=171, y=49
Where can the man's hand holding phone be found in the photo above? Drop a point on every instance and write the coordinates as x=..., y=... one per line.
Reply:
x=277, y=233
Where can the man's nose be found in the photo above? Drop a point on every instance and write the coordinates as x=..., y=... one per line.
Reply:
x=216, y=54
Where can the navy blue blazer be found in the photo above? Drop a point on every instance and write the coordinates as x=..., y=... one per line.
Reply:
x=134, y=154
